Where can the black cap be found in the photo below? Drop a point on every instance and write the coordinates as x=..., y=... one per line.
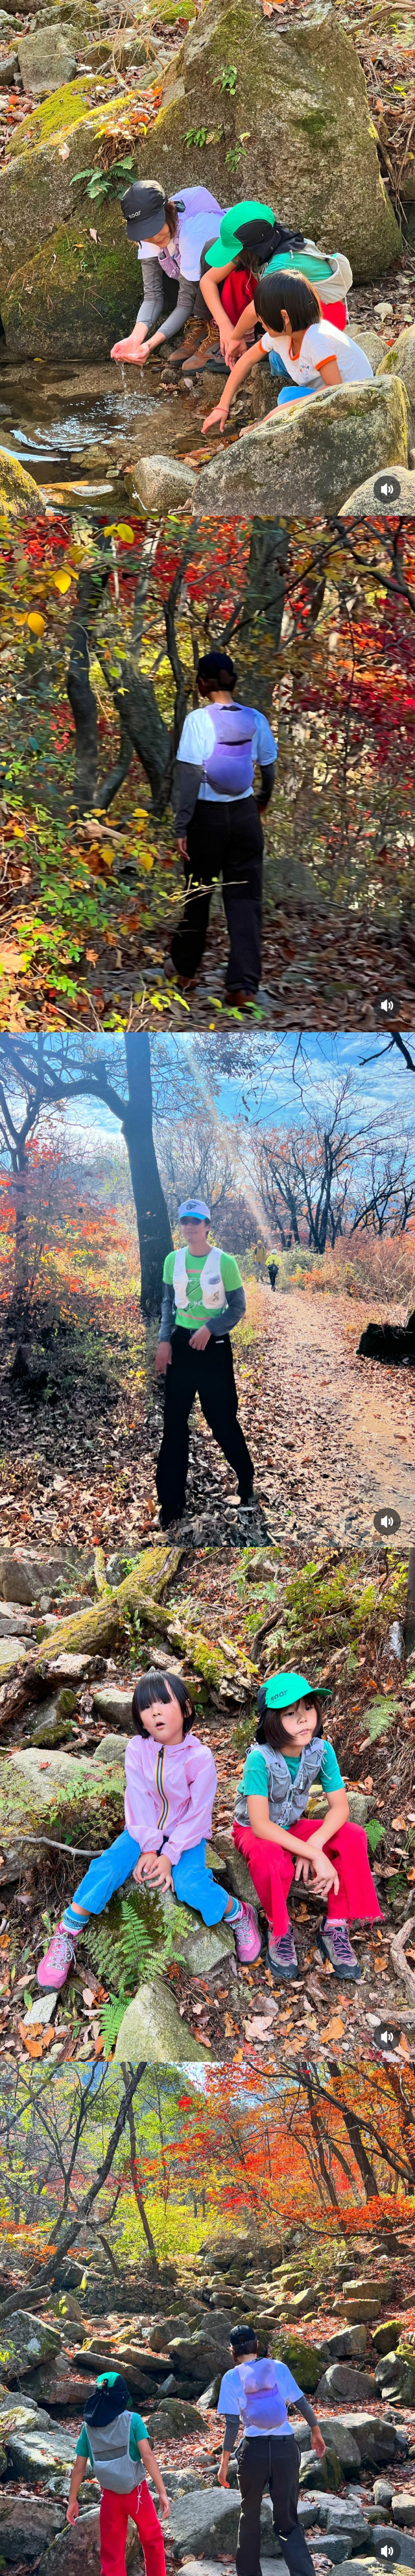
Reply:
x=243, y=2338
x=215, y=667
x=143, y=208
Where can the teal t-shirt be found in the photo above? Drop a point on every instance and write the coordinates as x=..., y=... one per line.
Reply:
x=195, y=1313
x=138, y=2433
x=255, y=1776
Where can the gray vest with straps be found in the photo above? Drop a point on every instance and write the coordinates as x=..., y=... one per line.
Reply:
x=287, y=1797
x=110, y=2446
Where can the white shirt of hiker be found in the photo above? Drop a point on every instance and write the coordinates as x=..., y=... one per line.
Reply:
x=198, y=740
x=321, y=342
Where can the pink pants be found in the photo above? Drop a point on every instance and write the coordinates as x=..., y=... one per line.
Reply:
x=272, y=1869
x=114, y=2515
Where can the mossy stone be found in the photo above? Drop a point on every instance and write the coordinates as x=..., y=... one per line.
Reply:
x=313, y=455
x=301, y=103
x=19, y=495
x=58, y=139
x=303, y=2359
x=76, y=296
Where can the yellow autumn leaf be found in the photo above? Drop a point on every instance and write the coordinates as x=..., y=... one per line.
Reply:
x=126, y=533
x=146, y=860
x=36, y=622
x=62, y=582
x=107, y=853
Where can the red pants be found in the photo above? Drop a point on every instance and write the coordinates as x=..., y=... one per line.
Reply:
x=115, y=2511
x=272, y=1869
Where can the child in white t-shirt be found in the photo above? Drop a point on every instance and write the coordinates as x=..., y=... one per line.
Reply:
x=298, y=344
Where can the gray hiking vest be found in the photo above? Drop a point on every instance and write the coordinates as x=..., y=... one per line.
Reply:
x=110, y=2446
x=287, y=1797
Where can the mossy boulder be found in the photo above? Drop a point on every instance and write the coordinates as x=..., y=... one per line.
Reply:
x=75, y=296
x=160, y=482
x=153, y=2029
x=400, y=361
x=19, y=496
x=303, y=2359
x=37, y=1781
x=311, y=457
x=300, y=102
x=58, y=139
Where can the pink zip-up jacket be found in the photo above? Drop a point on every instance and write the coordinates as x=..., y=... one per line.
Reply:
x=169, y=1793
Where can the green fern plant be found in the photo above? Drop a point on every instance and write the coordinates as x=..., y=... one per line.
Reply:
x=134, y=1942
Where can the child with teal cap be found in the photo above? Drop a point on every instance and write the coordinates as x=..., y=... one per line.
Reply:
x=289, y=1757
x=252, y=242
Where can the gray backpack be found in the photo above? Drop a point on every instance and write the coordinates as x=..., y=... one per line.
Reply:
x=110, y=2446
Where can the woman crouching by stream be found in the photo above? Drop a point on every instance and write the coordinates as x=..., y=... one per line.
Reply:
x=170, y=235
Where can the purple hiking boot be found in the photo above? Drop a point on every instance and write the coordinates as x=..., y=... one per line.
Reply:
x=282, y=1958
x=53, y=1970
x=333, y=1941
x=248, y=1942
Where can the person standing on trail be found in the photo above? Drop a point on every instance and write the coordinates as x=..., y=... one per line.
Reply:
x=115, y=2441
x=256, y=2394
x=203, y=1298
x=272, y=1268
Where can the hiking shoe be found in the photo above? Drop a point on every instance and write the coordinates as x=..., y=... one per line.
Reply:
x=53, y=1970
x=282, y=1958
x=202, y=353
x=248, y=1942
x=333, y=1941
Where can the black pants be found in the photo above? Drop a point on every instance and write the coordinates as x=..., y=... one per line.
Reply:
x=225, y=839
x=268, y=2461
x=209, y=1374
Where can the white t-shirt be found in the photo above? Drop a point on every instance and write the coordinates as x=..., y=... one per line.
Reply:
x=320, y=342
x=200, y=221
x=232, y=2400
x=198, y=739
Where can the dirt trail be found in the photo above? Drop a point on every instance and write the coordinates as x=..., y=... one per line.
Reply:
x=332, y=1436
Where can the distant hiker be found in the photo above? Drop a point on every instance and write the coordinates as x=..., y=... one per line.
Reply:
x=170, y=1788
x=309, y=353
x=256, y=2393
x=116, y=2443
x=203, y=1298
x=218, y=824
x=169, y=234
x=252, y=243
x=272, y=1268
x=279, y=1842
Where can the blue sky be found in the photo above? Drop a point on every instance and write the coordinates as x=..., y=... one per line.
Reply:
x=381, y=1085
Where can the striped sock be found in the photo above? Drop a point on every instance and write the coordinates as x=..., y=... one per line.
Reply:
x=237, y=1910
x=72, y=1922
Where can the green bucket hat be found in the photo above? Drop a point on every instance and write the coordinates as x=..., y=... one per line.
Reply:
x=235, y=226
x=282, y=1689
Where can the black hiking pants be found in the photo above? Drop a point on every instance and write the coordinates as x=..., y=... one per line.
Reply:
x=209, y=1374
x=269, y=2460
x=227, y=840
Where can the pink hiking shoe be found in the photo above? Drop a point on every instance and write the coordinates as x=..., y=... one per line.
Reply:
x=247, y=1937
x=53, y=1970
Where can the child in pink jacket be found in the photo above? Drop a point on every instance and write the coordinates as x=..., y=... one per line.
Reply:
x=170, y=1788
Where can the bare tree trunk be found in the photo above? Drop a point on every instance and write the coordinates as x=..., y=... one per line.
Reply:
x=138, y=2196
x=71, y=2228
x=154, y=1230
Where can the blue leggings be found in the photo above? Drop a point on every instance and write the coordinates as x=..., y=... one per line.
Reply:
x=193, y=1883
x=296, y=393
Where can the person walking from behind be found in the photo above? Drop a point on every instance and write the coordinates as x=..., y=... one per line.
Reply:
x=203, y=1298
x=218, y=824
x=256, y=2394
x=115, y=2441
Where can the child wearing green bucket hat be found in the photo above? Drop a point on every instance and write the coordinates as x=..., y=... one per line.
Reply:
x=289, y=1756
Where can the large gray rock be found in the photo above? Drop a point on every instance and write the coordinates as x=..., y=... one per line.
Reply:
x=160, y=482
x=375, y=2437
x=193, y=2356
x=112, y=1749
x=152, y=2028
x=179, y=2416
x=364, y=502
x=23, y=2533
x=37, y=2456
x=373, y=349
x=341, y=2384
x=209, y=2523
x=349, y=2340
x=24, y=2342
x=77, y=2552
x=112, y=1704
x=386, y=2335
x=403, y=2507
x=45, y=61
x=312, y=455
x=21, y=1579
x=301, y=101
x=342, y=2440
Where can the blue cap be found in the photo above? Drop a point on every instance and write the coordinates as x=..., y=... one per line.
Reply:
x=195, y=1208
